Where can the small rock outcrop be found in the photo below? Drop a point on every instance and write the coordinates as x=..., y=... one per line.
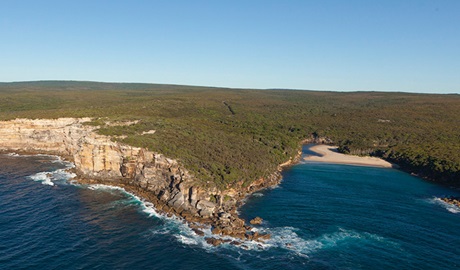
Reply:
x=214, y=241
x=452, y=200
x=256, y=221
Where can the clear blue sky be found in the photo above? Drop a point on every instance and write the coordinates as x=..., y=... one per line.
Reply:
x=400, y=45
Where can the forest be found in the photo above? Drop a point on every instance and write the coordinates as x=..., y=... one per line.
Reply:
x=230, y=136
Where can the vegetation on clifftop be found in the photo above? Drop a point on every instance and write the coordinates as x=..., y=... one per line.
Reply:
x=225, y=136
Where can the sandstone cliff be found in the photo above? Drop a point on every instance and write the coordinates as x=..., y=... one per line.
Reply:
x=97, y=158
x=159, y=179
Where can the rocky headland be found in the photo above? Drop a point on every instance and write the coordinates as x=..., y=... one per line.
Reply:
x=163, y=181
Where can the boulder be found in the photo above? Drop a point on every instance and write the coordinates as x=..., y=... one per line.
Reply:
x=206, y=208
x=213, y=241
x=237, y=223
x=235, y=243
x=177, y=200
x=198, y=232
x=202, y=204
x=224, y=215
x=225, y=219
x=452, y=200
x=256, y=221
x=266, y=236
x=164, y=195
x=227, y=231
x=239, y=236
x=186, y=215
x=217, y=230
x=205, y=212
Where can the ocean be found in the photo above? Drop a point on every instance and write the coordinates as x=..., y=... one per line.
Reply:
x=321, y=216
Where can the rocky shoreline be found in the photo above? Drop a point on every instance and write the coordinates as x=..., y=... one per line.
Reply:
x=452, y=200
x=149, y=175
x=224, y=222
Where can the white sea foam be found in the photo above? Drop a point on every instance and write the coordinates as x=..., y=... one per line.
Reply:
x=50, y=177
x=146, y=207
x=287, y=238
x=283, y=237
x=172, y=225
x=149, y=209
x=449, y=207
x=179, y=229
x=13, y=154
x=186, y=240
x=257, y=194
x=277, y=186
x=44, y=177
x=106, y=187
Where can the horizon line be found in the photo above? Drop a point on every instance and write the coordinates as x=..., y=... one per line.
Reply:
x=234, y=88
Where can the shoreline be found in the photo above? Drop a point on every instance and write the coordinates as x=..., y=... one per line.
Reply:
x=241, y=233
x=329, y=154
x=235, y=230
x=149, y=175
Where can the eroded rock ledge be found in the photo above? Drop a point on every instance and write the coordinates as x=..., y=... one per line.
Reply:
x=158, y=179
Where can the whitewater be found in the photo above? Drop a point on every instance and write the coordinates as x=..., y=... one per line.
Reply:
x=322, y=216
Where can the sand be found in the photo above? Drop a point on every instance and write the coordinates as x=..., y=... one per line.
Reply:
x=329, y=154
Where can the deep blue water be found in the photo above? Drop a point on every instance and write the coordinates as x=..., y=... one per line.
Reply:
x=322, y=216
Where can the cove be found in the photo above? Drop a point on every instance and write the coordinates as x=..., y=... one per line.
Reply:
x=321, y=216
x=343, y=216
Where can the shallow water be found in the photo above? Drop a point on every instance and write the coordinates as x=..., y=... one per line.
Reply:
x=322, y=216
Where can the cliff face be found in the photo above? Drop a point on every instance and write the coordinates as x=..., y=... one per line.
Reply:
x=98, y=159
x=160, y=180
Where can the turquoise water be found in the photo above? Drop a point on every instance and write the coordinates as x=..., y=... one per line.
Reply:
x=322, y=216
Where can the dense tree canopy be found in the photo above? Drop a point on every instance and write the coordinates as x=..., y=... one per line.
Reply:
x=229, y=135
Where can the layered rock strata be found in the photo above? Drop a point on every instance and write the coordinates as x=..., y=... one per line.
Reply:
x=161, y=180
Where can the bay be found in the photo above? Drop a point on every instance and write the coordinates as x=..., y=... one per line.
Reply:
x=322, y=216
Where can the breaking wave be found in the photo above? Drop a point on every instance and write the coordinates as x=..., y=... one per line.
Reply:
x=146, y=207
x=449, y=207
x=51, y=177
x=172, y=225
x=177, y=227
x=285, y=238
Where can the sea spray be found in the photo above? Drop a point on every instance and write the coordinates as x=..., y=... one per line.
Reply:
x=314, y=221
x=50, y=177
x=284, y=237
x=184, y=234
x=449, y=207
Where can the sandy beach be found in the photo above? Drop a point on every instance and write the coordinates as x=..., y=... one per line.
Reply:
x=329, y=154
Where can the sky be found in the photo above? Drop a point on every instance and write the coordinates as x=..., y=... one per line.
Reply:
x=368, y=45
